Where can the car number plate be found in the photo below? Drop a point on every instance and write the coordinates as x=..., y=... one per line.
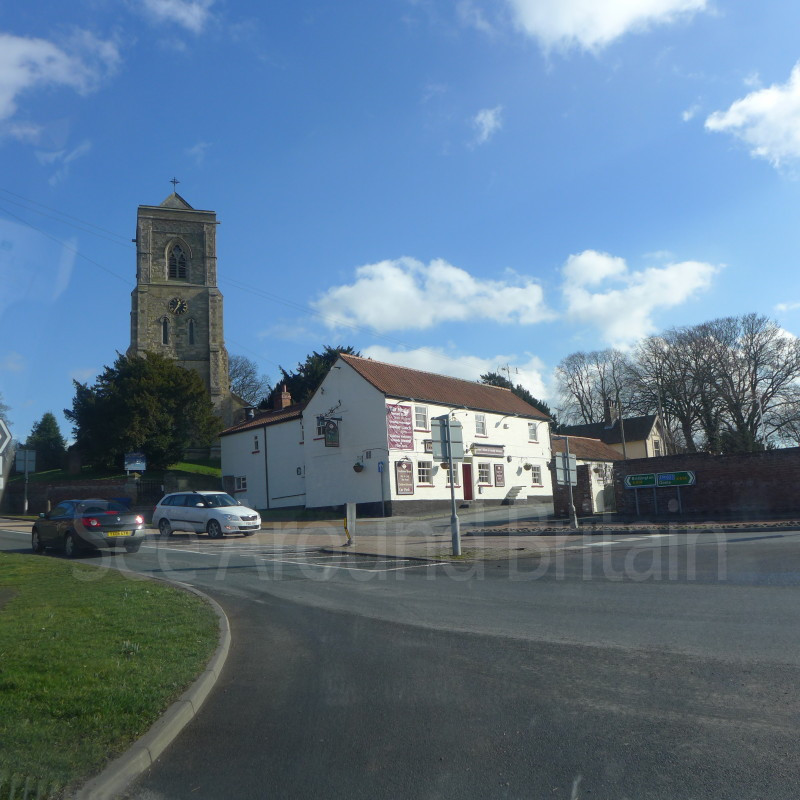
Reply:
x=119, y=533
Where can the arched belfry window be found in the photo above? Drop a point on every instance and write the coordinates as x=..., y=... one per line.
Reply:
x=165, y=331
x=177, y=262
x=191, y=331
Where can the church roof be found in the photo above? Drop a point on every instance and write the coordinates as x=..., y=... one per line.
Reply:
x=413, y=384
x=175, y=201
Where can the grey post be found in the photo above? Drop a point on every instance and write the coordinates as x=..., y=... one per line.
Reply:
x=454, y=523
x=573, y=517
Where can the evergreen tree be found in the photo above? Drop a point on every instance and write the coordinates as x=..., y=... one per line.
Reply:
x=305, y=380
x=145, y=404
x=496, y=379
x=46, y=439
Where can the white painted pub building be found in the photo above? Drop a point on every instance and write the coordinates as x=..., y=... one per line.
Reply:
x=364, y=437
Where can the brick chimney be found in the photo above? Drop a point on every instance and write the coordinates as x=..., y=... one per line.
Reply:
x=282, y=399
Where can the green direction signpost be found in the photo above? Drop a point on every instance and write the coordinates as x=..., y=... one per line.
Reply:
x=638, y=481
x=682, y=478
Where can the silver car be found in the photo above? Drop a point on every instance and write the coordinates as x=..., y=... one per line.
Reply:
x=215, y=513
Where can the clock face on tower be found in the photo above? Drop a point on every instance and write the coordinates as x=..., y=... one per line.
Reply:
x=178, y=305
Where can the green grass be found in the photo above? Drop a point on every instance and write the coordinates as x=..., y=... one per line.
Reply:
x=198, y=468
x=89, y=659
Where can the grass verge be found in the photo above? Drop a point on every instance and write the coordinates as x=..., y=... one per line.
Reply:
x=89, y=659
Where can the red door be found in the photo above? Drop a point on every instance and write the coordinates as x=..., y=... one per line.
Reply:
x=466, y=476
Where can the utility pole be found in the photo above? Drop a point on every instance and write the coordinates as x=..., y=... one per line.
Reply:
x=455, y=528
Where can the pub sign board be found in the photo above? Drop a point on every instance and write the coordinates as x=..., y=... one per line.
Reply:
x=404, y=477
x=331, y=433
x=499, y=475
x=399, y=427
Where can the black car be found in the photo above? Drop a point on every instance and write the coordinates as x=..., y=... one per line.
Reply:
x=75, y=525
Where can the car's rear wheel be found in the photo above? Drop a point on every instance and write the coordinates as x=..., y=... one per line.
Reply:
x=36, y=542
x=164, y=528
x=71, y=546
x=214, y=529
x=133, y=547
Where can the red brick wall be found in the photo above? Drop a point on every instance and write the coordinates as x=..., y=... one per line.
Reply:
x=581, y=493
x=745, y=484
x=39, y=493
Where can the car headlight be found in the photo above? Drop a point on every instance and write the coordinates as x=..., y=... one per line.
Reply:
x=230, y=517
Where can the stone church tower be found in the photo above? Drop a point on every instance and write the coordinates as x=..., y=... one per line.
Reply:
x=176, y=307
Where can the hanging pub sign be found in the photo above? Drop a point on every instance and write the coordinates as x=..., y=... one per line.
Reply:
x=404, y=477
x=492, y=450
x=400, y=427
x=331, y=433
x=499, y=475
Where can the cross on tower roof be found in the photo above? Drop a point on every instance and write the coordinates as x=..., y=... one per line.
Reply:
x=174, y=183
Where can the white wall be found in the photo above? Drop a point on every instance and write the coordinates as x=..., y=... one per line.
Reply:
x=243, y=455
x=330, y=479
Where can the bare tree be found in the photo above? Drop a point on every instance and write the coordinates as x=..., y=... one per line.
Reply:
x=246, y=382
x=590, y=381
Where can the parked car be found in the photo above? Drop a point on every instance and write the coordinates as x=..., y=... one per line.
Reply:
x=216, y=513
x=76, y=525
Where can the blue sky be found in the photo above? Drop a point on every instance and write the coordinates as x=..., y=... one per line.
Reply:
x=452, y=185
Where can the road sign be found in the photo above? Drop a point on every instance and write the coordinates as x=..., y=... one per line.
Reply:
x=25, y=461
x=439, y=436
x=135, y=462
x=639, y=481
x=681, y=478
x=380, y=466
x=5, y=436
x=566, y=470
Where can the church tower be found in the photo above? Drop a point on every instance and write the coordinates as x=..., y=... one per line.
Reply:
x=176, y=307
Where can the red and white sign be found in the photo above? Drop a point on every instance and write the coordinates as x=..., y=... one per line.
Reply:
x=400, y=427
x=404, y=477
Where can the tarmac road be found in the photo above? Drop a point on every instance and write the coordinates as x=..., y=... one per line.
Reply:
x=607, y=671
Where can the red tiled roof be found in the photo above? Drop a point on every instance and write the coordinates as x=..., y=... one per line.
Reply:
x=412, y=384
x=585, y=449
x=267, y=418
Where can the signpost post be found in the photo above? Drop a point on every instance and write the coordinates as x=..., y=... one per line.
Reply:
x=567, y=473
x=25, y=462
x=448, y=444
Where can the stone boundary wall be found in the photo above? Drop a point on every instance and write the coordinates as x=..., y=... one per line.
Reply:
x=735, y=485
x=40, y=494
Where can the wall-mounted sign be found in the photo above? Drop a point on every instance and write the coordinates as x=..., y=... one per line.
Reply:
x=638, y=481
x=499, y=475
x=404, y=477
x=492, y=450
x=400, y=427
x=682, y=478
x=331, y=433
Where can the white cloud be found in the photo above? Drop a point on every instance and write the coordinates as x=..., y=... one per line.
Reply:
x=766, y=120
x=690, y=113
x=63, y=158
x=527, y=373
x=80, y=63
x=486, y=123
x=198, y=152
x=406, y=294
x=783, y=307
x=591, y=24
x=84, y=374
x=624, y=313
x=190, y=14
x=472, y=16
x=12, y=362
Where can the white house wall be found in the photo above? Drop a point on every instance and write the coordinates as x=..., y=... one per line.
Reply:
x=245, y=459
x=359, y=407
x=362, y=411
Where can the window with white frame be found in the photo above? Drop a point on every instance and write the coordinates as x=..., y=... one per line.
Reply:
x=480, y=424
x=241, y=483
x=457, y=482
x=533, y=432
x=425, y=472
x=321, y=426
x=536, y=475
x=656, y=448
x=485, y=474
x=421, y=418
